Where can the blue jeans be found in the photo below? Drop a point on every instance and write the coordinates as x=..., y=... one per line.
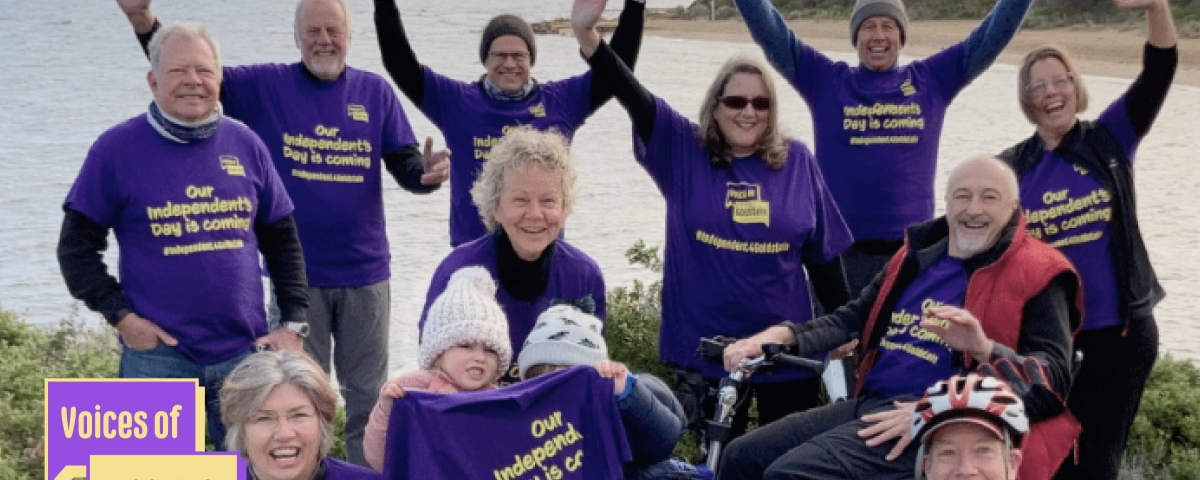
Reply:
x=164, y=361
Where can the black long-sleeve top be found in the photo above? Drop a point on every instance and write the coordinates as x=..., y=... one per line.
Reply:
x=402, y=64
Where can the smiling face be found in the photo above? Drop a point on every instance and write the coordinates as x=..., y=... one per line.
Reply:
x=1052, y=96
x=508, y=63
x=186, y=82
x=981, y=199
x=283, y=437
x=966, y=450
x=743, y=127
x=530, y=209
x=323, y=37
x=879, y=43
x=471, y=366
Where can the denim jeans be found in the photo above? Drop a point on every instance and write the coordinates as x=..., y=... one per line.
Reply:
x=164, y=361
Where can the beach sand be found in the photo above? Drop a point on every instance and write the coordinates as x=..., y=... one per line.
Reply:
x=1108, y=51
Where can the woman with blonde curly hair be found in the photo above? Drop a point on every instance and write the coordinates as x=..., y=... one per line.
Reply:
x=747, y=214
x=524, y=194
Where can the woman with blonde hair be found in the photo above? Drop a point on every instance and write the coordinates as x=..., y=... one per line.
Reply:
x=1069, y=163
x=747, y=213
x=524, y=194
x=278, y=407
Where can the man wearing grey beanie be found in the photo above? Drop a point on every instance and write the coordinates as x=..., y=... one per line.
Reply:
x=878, y=124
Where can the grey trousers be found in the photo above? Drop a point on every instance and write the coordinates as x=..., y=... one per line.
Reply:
x=353, y=325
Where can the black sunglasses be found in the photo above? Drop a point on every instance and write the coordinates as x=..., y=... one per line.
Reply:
x=738, y=103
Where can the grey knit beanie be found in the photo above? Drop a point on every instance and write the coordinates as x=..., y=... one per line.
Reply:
x=466, y=312
x=503, y=25
x=563, y=335
x=864, y=9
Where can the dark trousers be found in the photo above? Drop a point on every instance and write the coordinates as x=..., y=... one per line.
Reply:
x=864, y=260
x=775, y=400
x=1106, y=394
x=821, y=443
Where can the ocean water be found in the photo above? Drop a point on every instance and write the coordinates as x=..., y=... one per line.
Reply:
x=72, y=69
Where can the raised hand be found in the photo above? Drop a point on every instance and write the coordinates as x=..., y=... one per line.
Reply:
x=960, y=329
x=138, y=13
x=585, y=14
x=436, y=164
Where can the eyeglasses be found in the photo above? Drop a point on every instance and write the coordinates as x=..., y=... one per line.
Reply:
x=738, y=103
x=519, y=57
x=1060, y=82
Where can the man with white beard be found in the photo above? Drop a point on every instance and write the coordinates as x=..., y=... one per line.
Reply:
x=970, y=291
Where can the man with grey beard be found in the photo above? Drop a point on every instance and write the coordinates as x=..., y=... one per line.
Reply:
x=970, y=291
x=329, y=128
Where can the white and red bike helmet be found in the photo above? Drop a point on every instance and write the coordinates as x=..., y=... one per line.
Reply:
x=975, y=398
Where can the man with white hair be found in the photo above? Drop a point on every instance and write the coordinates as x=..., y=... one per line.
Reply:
x=193, y=199
x=329, y=128
x=969, y=292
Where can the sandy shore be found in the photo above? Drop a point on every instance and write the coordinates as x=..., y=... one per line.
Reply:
x=1097, y=50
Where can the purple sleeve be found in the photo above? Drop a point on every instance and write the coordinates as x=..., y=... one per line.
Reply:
x=948, y=68
x=576, y=94
x=95, y=193
x=397, y=132
x=813, y=72
x=1116, y=119
x=672, y=134
x=830, y=236
x=440, y=94
x=273, y=201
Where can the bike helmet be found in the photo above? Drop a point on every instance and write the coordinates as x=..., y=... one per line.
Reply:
x=975, y=398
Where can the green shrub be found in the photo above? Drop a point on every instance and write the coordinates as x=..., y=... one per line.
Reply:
x=634, y=316
x=1164, y=441
x=30, y=355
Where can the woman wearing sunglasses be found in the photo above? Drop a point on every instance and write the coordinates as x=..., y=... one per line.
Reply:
x=747, y=213
x=1077, y=192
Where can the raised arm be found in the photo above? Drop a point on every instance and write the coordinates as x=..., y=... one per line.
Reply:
x=398, y=56
x=1145, y=96
x=626, y=43
x=986, y=42
x=140, y=17
x=609, y=70
x=771, y=32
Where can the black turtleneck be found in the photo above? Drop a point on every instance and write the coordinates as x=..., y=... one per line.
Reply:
x=524, y=280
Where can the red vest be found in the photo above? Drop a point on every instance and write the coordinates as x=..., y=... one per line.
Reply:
x=996, y=295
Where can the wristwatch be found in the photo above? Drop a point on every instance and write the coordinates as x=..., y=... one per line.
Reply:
x=299, y=328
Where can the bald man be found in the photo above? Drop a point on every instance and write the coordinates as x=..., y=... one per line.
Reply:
x=970, y=291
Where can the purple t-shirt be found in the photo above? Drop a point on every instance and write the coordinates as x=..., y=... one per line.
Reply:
x=737, y=240
x=184, y=219
x=474, y=122
x=573, y=275
x=327, y=139
x=912, y=358
x=1068, y=208
x=877, y=135
x=338, y=470
x=564, y=425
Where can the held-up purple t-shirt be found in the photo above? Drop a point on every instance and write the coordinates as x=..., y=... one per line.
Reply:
x=1068, y=208
x=564, y=425
x=473, y=123
x=737, y=240
x=327, y=140
x=912, y=358
x=573, y=275
x=877, y=135
x=184, y=219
